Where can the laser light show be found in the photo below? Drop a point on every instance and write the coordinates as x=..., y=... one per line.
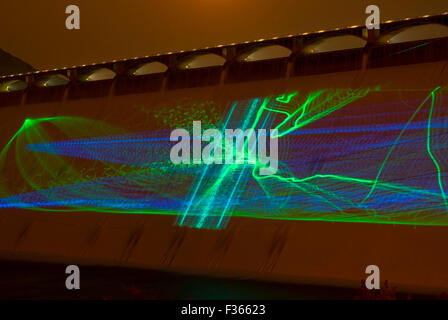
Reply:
x=384, y=163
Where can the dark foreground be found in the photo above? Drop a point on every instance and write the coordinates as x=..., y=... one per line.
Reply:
x=25, y=280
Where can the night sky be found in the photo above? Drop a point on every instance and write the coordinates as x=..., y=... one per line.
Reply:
x=35, y=30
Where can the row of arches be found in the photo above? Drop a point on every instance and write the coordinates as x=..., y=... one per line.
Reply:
x=257, y=53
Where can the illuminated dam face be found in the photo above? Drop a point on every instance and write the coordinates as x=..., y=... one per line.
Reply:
x=340, y=158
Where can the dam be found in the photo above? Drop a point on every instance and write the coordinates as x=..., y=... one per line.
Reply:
x=362, y=179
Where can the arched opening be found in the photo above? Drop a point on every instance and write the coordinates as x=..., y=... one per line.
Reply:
x=202, y=61
x=98, y=75
x=336, y=43
x=53, y=80
x=148, y=68
x=265, y=53
x=13, y=85
x=415, y=33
